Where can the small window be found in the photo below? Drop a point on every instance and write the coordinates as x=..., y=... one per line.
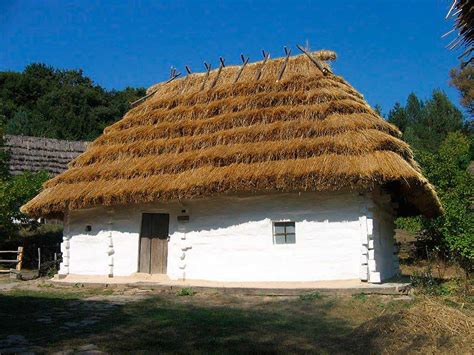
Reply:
x=284, y=233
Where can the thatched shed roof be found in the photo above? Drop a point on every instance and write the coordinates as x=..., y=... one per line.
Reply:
x=463, y=13
x=41, y=154
x=305, y=132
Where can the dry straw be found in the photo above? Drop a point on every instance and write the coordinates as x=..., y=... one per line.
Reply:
x=306, y=132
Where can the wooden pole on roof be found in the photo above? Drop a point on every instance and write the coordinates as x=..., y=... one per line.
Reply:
x=188, y=72
x=315, y=61
x=283, y=67
x=244, y=63
x=173, y=75
x=266, y=55
x=208, y=70
x=221, y=65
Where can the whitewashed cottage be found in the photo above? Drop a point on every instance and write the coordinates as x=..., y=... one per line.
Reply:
x=272, y=171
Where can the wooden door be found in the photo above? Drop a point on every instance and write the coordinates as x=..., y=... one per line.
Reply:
x=154, y=243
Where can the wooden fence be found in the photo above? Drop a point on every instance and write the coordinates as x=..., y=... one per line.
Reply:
x=18, y=261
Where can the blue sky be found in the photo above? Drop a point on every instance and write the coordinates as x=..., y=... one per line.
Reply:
x=386, y=49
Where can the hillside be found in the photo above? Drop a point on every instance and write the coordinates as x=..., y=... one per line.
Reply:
x=46, y=102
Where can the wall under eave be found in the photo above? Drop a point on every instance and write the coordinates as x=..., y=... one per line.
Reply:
x=227, y=238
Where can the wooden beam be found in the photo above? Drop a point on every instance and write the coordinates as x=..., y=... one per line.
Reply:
x=188, y=73
x=221, y=65
x=244, y=63
x=208, y=70
x=136, y=102
x=266, y=55
x=19, y=258
x=283, y=67
x=315, y=61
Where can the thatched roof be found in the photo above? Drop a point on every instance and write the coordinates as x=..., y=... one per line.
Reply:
x=305, y=132
x=40, y=154
x=463, y=13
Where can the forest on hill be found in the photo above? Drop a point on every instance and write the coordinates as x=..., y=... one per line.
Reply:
x=65, y=104
x=47, y=102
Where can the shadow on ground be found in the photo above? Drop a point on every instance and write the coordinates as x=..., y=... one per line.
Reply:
x=40, y=323
x=151, y=321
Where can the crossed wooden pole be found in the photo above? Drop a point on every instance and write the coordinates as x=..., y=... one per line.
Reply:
x=325, y=70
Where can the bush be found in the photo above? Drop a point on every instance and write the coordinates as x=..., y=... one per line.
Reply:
x=425, y=281
x=427, y=284
x=186, y=291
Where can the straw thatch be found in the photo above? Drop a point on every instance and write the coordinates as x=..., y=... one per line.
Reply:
x=40, y=154
x=463, y=13
x=306, y=132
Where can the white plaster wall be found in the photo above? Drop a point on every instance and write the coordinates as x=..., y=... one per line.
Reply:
x=89, y=250
x=230, y=238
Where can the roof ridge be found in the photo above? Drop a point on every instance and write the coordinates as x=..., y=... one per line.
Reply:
x=324, y=55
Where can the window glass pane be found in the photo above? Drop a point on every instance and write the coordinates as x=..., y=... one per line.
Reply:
x=279, y=229
x=290, y=239
x=279, y=239
x=290, y=228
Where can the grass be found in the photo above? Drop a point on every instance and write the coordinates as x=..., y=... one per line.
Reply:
x=362, y=297
x=53, y=318
x=186, y=291
x=311, y=296
x=59, y=318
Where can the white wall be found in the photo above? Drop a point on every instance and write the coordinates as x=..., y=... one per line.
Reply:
x=227, y=238
x=89, y=250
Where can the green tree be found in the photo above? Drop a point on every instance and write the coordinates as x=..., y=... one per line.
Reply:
x=425, y=124
x=13, y=194
x=65, y=104
x=398, y=116
x=463, y=80
x=440, y=116
x=442, y=143
x=451, y=234
x=378, y=109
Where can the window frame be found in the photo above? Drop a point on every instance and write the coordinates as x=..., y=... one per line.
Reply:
x=284, y=224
